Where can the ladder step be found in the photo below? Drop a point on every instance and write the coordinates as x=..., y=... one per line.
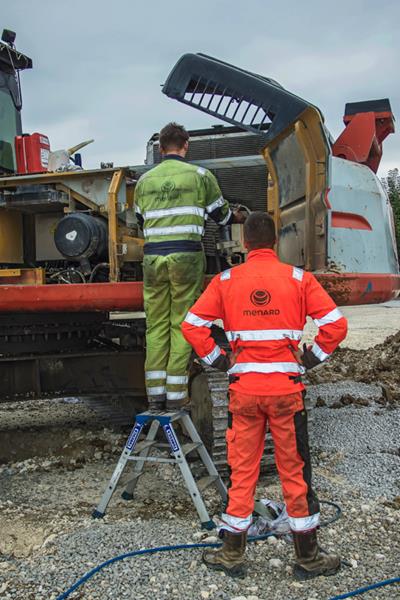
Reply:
x=205, y=482
x=143, y=445
x=187, y=448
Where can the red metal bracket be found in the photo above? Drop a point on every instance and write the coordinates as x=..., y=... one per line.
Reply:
x=361, y=141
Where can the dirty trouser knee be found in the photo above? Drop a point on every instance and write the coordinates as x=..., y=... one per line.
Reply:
x=245, y=439
x=171, y=285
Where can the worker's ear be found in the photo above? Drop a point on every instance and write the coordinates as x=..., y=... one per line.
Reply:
x=186, y=147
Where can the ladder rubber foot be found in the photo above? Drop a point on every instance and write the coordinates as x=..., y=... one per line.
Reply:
x=208, y=525
x=96, y=514
x=126, y=496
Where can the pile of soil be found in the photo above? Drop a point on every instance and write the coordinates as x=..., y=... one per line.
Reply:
x=379, y=365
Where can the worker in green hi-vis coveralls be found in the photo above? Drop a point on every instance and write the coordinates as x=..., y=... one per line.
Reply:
x=171, y=203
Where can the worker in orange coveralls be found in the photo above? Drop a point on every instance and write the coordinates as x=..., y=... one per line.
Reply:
x=263, y=304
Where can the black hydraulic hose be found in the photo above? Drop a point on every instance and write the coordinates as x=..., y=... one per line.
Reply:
x=97, y=268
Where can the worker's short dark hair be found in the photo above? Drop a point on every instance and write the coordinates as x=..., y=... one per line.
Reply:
x=173, y=136
x=259, y=230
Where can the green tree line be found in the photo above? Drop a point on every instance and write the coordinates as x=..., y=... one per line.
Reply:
x=392, y=185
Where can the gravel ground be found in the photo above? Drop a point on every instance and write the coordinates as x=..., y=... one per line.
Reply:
x=362, y=446
x=48, y=539
x=331, y=394
x=361, y=537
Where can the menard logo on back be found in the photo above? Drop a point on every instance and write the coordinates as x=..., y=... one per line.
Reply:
x=259, y=312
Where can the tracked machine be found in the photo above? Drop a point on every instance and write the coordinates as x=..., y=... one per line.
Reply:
x=71, y=301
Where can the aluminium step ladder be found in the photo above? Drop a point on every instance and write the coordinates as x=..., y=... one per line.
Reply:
x=139, y=452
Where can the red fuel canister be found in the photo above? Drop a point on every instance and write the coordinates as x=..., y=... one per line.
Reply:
x=32, y=153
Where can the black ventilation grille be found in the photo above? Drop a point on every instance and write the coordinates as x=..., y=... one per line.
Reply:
x=245, y=185
x=225, y=103
x=234, y=95
x=220, y=144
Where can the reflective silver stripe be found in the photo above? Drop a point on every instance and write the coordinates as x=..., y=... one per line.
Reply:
x=263, y=335
x=273, y=367
x=156, y=391
x=304, y=523
x=209, y=359
x=176, y=395
x=201, y=171
x=197, y=321
x=177, y=379
x=331, y=317
x=298, y=273
x=234, y=524
x=216, y=204
x=318, y=352
x=224, y=221
x=156, y=374
x=225, y=275
x=174, y=229
x=175, y=211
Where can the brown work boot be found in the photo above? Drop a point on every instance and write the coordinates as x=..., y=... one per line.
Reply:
x=229, y=558
x=156, y=403
x=311, y=561
x=173, y=405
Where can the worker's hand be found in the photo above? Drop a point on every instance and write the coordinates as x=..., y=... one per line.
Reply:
x=298, y=354
x=239, y=216
x=233, y=356
x=308, y=358
x=222, y=363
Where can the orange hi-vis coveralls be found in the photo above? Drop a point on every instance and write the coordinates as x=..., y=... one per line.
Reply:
x=263, y=304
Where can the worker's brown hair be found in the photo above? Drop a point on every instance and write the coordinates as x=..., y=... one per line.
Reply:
x=173, y=136
x=259, y=231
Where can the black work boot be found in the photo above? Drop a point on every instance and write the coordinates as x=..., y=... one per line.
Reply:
x=156, y=403
x=311, y=561
x=229, y=558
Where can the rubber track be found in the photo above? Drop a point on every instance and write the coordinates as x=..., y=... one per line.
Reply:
x=218, y=387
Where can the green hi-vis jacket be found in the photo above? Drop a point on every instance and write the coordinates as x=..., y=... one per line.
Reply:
x=173, y=199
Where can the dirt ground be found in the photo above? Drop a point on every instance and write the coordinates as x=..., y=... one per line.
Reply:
x=371, y=351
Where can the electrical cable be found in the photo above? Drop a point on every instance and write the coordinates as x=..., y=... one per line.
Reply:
x=115, y=559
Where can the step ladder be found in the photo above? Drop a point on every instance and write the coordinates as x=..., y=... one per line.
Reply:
x=139, y=452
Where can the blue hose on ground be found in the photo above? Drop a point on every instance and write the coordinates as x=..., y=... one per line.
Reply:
x=115, y=559
x=368, y=588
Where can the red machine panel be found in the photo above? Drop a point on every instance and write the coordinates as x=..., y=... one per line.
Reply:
x=32, y=153
x=345, y=289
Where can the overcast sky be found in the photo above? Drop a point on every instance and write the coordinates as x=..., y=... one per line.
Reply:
x=98, y=65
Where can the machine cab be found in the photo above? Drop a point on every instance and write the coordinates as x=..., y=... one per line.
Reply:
x=11, y=62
